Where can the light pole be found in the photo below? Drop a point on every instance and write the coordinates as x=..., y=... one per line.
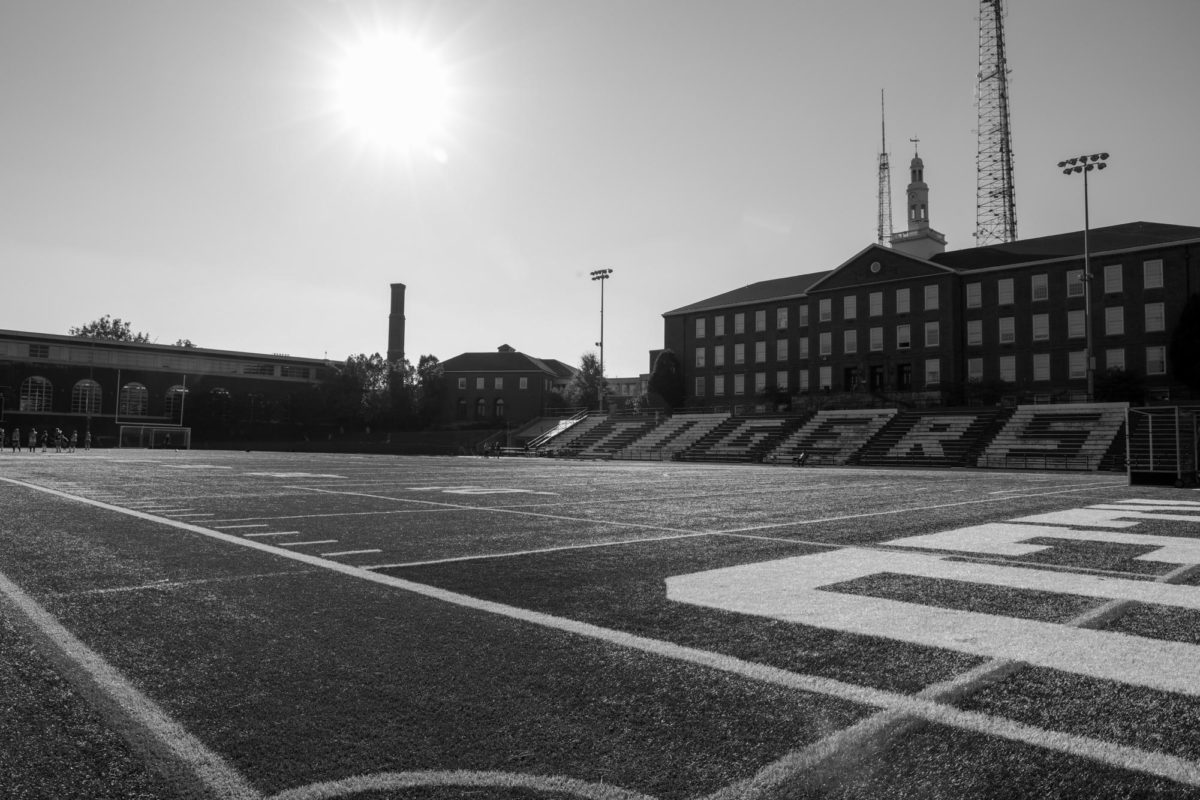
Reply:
x=1086, y=164
x=601, y=275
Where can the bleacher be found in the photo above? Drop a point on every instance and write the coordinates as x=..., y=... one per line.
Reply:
x=943, y=438
x=564, y=441
x=674, y=435
x=744, y=439
x=832, y=437
x=610, y=436
x=1075, y=437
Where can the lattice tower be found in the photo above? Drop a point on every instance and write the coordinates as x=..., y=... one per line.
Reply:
x=995, y=204
x=885, y=181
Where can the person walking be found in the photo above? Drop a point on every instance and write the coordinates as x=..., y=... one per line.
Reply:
x=87, y=441
x=74, y=441
x=16, y=440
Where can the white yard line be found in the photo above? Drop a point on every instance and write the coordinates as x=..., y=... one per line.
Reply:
x=307, y=544
x=350, y=553
x=275, y=533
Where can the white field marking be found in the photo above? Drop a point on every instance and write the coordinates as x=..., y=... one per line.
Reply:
x=192, y=514
x=219, y=778
x=292, y=475
x=473, y=490
x=1130, y=758
x=306, y=544
x=392, y=781
x=195, y=466
x=246, y=525
x=1102, y=516
x=1010, y=539
x=350, y=553
x=169, y=584
x=274, y=533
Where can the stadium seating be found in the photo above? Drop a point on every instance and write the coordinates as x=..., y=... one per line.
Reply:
x=741, y=439
x=942, y=438
x=1075, y=437
x=832, y=437
x=674, y=435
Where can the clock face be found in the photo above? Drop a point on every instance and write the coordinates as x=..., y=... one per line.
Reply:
x=876, y=266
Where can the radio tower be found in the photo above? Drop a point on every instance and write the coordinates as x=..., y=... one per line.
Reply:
x=885, y=181
x=995, y=206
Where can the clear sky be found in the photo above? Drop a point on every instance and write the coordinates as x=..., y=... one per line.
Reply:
x=186, y=165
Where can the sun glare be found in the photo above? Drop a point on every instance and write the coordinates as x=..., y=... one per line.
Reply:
x=394, y=93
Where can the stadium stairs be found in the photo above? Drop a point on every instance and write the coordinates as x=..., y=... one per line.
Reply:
x=611, y=436
x=942, y=438
x=831, y=437
x=674, y=435
x=1071, y=437
x=742, y=439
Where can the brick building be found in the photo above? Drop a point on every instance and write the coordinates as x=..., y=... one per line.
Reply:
x=502, y=386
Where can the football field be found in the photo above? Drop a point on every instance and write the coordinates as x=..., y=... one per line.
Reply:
x=296, y=626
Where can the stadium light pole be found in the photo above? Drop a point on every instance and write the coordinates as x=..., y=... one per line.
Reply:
x=1084, y=165
x=602, y=276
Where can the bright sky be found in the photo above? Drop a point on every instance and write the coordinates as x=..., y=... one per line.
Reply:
x=185, y=164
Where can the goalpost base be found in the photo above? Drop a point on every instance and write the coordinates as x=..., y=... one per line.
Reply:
x=155, y=437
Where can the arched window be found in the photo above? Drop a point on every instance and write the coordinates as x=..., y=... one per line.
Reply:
x=85, y=397
x=173, y=403
x=461, y=410
x=480, y=408
x=134, y=401
x=499, y=406
x=37, y=394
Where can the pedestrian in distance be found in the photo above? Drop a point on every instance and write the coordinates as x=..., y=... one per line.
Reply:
x=45, y=438
x=74, y=441
x=58, y=440
x=87, y=441
x=1, y=440
x=33, y=440
x=16, y=440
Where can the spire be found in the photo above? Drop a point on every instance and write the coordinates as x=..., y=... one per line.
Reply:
x=919, y=240
x=885, y=180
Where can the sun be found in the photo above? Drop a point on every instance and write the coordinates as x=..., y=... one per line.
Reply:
x=393, y=92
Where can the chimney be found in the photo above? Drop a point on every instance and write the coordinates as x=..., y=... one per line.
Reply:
x=395, y=347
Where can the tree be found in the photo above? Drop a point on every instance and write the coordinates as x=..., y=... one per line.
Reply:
x=106, y=327
x=188, y=343
x=586, y=385
x=431, y=389
x=360, y=391
x=1183, y=352
x=666, y=379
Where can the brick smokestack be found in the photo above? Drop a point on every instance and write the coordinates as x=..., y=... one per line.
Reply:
x=395, y=348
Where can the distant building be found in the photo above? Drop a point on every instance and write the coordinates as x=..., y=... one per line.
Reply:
x=502, y=386
x=915, y=323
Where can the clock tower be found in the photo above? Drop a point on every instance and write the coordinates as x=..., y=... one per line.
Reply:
x=919, y=240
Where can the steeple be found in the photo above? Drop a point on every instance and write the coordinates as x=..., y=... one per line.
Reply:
x=919, y=240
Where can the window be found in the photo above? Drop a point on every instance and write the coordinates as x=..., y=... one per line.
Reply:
x=460, y=409
x=974, y=331
x=760, y=382
x=1156, y=360
x=902, y=301
x=1074, y=283
x=931, y=297
x=781, y=380
x=1075, y=323
x=1004, y=291
x=876, y=338
x=1113, y=279
x=480, y=383
x=850, y=307
x=760, y=352
x=719, y=326
x=699, y=356
x=522, y=383
x=719, y=356
x=1008, y=369
x=739, y=384
x=37, y=394
x=1114, y=320
x=718, y=385
x=760, y=320
x=1114, y=358
x=802, y=382
x=739, y=353
x=825, y=377
x=933, y=372
x=781, y=349
x=700, y=328
x=173, y=402
x=462, y=383
x=850, y=341
x=802, y=348
x=481, y=409
x=498, y=384
x=739, y=323
x=825, y=309
x=802, y=317
x=826, y=343
x=1041, y=327
x=85, y=397
x=1155, y=318
x=1041, y=366
x=781, y=318
x=288, y=371
x=134, y=400
x=1077, y=364
x=875, y=304
x=974, y=369
x=1008, y=330
x=933, y=334
x=974, y=295
x=903, y=336
x=699, y=387
x=258, y=369
x=1152, y=274
x=1040, y=286
x=499, y=407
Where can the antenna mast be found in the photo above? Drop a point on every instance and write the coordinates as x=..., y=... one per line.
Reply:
x=995, y=203
x=885, y=181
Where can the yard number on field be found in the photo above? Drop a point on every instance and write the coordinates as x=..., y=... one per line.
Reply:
x=797, y=590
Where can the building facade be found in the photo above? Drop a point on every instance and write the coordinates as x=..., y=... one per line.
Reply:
x=502, y=387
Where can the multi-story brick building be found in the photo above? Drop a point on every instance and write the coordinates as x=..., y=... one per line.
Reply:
x=502, y=386
x=916, y=323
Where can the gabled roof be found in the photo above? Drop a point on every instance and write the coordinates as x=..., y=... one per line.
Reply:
x=1129, y=235
x=876, y=262
x=775, y=289
x=511, y=361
